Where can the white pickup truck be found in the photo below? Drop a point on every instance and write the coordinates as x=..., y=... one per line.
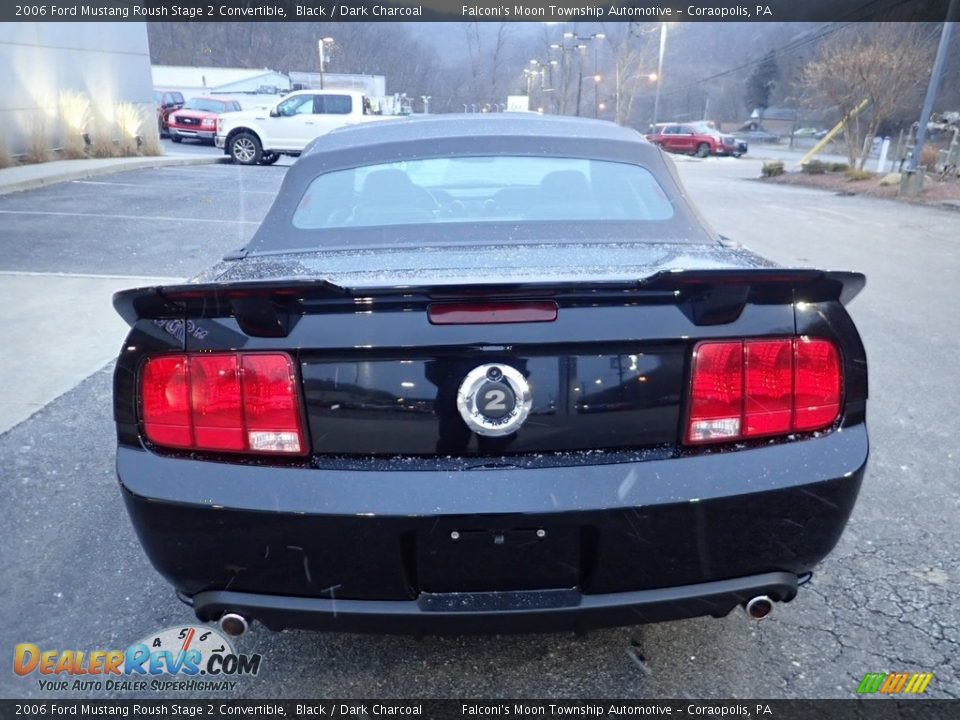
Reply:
x=262, y=135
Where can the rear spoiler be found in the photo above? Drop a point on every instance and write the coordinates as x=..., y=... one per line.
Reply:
x=265, y=306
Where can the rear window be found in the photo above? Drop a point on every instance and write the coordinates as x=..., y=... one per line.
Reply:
x=482, y=189
x=336, y=104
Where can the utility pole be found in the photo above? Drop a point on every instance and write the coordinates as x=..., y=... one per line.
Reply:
x=321, y=43
x=912, y=181
x=578, y=47
x=663, y=48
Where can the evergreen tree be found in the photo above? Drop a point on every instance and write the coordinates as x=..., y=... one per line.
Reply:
x=761, y=83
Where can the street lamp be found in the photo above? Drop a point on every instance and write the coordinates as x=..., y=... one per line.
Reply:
x=321, y=44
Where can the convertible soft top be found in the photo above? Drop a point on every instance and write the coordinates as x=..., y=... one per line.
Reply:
x=467, y=136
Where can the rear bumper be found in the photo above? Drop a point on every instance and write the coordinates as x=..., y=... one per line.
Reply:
x=220, y=141
x=504, y=612
x=396, y=550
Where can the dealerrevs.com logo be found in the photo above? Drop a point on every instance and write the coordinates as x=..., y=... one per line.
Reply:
x=894, y=683
x=174, y=659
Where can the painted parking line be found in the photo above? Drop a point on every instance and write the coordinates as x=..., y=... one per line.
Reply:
x=147, y=218
x=55, y=330
x=145, y=279
x=203, y=188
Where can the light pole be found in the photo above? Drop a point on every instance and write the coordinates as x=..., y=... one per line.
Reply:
x=580, y=45
x=321, y=43
x=597, y=79
x=663, y=48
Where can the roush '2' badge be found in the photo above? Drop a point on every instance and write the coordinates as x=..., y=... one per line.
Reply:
x=494, y=400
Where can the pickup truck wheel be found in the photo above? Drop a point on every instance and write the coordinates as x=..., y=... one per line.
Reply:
x=176, y=138
x=245, y=149
x=703, y=150
x=269, y=158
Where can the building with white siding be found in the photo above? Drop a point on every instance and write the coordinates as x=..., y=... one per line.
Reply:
x=108, y=62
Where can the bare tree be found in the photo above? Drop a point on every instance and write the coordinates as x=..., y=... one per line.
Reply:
x=489, y=61
x=633, y=59
x=882, y=63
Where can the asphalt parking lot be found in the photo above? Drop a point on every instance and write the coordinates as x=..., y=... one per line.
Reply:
x=72, y=574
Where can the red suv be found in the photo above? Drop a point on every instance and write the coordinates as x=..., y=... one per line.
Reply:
x=700, y=139
x=197, y=118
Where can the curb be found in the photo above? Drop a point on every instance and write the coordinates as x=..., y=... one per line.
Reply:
x=89, y=172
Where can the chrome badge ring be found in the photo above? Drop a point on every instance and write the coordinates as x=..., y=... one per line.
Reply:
x=494, y=400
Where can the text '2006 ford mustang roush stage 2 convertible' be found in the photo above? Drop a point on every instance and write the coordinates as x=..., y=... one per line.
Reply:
x=488, y=374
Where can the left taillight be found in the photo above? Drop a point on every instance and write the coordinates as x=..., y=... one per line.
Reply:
x=743, y=389
x=223, y=402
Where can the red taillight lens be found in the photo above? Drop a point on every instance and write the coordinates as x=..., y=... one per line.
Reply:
x=271, y=403
x=755, y=388
x=231, y=402
x=716, y=397
x=165, y=397
x=817, y=384
x=769, y=387
x=216, y=402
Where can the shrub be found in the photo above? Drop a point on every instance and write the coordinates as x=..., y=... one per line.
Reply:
x=38, y=141
x=5, y=159
x=772, y=169
x=101, y=138
x=928, y=157
x=151, y=136
x=128, y=123
x=75, y=119
x=839, y=167
x=814, y=167
x=857, y=175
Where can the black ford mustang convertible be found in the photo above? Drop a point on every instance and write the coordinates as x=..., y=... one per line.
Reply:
x=488, y=374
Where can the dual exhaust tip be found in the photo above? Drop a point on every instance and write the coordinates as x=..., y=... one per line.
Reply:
x=759, y=607
x=233, y=625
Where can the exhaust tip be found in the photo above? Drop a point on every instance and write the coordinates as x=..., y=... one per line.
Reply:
x=759, y=607
x=234, y=625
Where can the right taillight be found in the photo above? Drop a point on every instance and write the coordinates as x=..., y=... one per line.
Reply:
x=742, y=389
x=223, y=402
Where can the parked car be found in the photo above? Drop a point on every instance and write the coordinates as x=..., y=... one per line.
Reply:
x=759, y=136
x=167, y=101
x=698, y=139
x=262, y=135
x=197, y=118
x=488, y=373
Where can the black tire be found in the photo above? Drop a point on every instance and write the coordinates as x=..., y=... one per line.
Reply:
x=176, y=138
x=245, y=148
x=703, y=150
x=269, y=158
